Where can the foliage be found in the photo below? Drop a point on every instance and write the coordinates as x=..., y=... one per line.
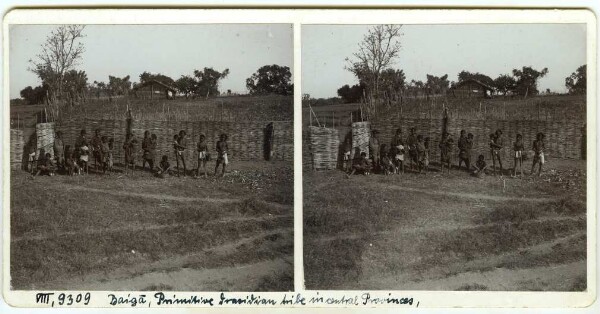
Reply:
x=437, y=84
x=186, y=85
x=351, y=94
x=527, y=79
x=505, y=83
x=466, y=75
x=392, y=81
x=378, y=50
x=61, y=52
x=208, y=81
x=118, y=86
x=147, y=76
x=576, y=83
x=33, y=96
x=271, y=79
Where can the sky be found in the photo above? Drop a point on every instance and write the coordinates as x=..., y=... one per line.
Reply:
x=491, y=49
x=173, y=50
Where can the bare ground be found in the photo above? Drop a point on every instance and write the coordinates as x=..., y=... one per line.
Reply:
x=446, y=232
x=120, y=232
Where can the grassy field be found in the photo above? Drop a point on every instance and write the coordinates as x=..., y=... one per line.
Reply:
x=140, y=232
x=446, y=232
x=555, y=107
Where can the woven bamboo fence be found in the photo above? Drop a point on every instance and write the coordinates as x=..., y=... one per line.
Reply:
x=44, y=138
x=361, y=132
x=246, y=140
x=324, y=147
x=17, y=145
x=564, y=139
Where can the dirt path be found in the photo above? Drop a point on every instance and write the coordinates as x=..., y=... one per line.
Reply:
x=168, y=197
x=439, y=228
x=142, y=276
x=475, y=196
x=146, y=227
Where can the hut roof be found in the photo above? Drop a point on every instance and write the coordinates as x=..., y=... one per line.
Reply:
x=152, y=82
x=485, y=86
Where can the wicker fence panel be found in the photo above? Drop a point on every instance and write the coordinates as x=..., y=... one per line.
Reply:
x=563, y=138
x=246, y=140
x=44, y=138
x=17, y=146
x=324, y=146
x=361, y=132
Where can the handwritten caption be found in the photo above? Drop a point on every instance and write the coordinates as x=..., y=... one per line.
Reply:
x=170, y=299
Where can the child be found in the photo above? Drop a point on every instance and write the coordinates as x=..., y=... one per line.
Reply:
x=84, y=152
x=59, y=150
x=181, y=145
x=202, y=149
x=96, y=148
x=480, y=167
x=70, y=164
x=148, y=155
x=386, y=162
x=518, y=147
x=397, y=151
x=411, y=142
x=464, y=151
x=420, y=153
x=222, y=149
x=426, y=154
x=163, y=167
x=129, y=148
x=445, y=149
x=538, y=153
x=45, y=165
x=347, y=153
x=361, y=165
x=111, y=146
x=104, y=151
x=497, y=144
x=374, y=149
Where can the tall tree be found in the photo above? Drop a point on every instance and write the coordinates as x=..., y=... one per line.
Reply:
x=75, y=85
x=33, y=96
x=392, y=81
x=527, y=79
x=186, y=84
x=437, y=84
x=378, y=50
x=208, y=81
x=270, y=79
x=61, y=52
x=577, y=82
x=351, y=94
x=119, y=86
x=505, y=83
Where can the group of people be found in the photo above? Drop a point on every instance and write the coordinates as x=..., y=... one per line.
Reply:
x=416, y=150
x=76, y=159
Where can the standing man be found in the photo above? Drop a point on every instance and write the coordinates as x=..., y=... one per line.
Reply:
x=374, y=149
x=464, y=151
x=411, y=142
x=96, y=144
x=59, y=150
x=181, y=146
x=148, y=156
x=497, y=146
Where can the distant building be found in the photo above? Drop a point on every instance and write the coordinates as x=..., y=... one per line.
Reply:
x=154, y=89
x=471, y=89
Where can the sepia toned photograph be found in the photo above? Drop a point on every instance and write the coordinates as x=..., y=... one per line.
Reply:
x=445, y=157
x=151, y=157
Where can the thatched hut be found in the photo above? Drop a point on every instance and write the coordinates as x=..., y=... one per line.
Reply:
x=472, y=88
x=154, y=89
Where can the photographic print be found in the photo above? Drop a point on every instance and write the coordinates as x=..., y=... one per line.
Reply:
x=151, y=157
x=445, y=157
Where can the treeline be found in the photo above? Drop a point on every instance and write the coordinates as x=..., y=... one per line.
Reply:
x=522, y=82
x=62, y=83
